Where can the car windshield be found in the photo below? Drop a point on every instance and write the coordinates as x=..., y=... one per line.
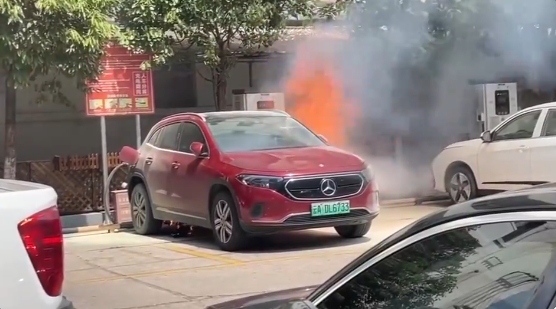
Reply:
x=237, y=134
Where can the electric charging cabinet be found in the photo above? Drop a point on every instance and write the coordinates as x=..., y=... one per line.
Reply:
x=496, y=103
x=254, y=101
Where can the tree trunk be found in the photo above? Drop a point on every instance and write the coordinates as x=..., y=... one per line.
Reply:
x=9, y=130
x=221, y=89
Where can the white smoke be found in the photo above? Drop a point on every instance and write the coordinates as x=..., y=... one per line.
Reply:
x=386, y=73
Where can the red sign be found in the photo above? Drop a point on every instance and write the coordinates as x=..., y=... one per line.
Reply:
x=265, y=105
x=123, y=88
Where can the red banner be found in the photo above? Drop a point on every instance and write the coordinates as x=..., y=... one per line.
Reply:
x=123, y=88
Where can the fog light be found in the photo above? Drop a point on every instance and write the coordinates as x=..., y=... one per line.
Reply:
x=257, y=210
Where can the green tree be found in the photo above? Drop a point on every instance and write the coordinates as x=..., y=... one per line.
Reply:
x=217, y=30
x=49, y=38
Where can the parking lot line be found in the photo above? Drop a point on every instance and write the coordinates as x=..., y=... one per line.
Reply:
x=203, y=255
x=212, y=267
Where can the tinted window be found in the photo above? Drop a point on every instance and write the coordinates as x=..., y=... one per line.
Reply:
x=491, y=266
x=153, y=139
x=520, y=127
x=550, y=124
x=190, y=133
x=235, y=134
x=169, y=137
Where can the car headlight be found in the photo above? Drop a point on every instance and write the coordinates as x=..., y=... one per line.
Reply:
x=370, y=178
x=368, y=174
x=268, y=182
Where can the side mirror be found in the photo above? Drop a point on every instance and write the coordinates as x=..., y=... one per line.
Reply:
x=322, y=138
x=198, y=149
x=486, y=136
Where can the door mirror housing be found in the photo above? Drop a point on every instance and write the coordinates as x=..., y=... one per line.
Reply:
x=198, y=149
x=322, y=138
x=486, y=136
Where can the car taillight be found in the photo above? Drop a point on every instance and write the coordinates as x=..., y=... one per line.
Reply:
x=42, y=237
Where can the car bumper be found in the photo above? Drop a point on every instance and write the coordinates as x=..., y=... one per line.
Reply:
x=308, y=223
x=66, y=304
x=264, y=207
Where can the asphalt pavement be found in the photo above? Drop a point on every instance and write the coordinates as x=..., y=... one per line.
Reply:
x=124, y=270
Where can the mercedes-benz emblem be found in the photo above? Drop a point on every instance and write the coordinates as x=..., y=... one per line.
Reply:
x=328, y=187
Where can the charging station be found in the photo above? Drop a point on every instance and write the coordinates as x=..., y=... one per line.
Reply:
x=496, y=102
x=254, y=101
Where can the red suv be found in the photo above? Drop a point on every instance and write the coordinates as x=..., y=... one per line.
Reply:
x=247, y=172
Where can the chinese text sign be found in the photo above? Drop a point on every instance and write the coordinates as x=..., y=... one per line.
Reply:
x=123, y=88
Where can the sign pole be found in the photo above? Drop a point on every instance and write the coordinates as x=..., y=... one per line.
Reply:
x=138, y=129
x=123, y=88
x=104, y=165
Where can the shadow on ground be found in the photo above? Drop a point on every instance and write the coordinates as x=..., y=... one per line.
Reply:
x=280, y=242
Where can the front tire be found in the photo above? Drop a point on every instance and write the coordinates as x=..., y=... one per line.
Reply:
x=353, y=231
x=461, y=185
x=144, y=222
x=228, y=234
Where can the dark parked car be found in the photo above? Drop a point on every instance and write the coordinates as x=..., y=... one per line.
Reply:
x=497, y=252
x=247, y=172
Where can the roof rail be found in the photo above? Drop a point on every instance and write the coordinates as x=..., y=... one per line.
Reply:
x=185, y=114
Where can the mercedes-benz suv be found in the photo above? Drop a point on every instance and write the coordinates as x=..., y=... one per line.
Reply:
x=247, y=172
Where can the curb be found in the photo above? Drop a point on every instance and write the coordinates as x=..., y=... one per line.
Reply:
x=399, y=201
x=92, y=228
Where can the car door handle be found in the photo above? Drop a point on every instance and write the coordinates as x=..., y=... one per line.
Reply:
x=175, y=165
x=149, y=161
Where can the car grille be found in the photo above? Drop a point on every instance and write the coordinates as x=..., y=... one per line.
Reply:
x=310, y=188
x=354, y=214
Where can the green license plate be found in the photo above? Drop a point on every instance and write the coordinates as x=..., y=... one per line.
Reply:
x=329, y=208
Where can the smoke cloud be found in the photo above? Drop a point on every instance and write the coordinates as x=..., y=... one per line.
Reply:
x=403, y=82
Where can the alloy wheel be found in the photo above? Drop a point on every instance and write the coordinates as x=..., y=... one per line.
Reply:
x=139, y=208
x=460, y=188
x=223, y=221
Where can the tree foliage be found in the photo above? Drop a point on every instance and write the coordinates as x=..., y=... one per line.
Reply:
x=64, y=37
x=217, y=30
x=54, y=38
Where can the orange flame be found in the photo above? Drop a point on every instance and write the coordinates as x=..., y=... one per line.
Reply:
x=316, y=96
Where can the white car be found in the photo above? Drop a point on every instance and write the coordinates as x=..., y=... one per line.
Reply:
x=32, y=265
x=518, y=153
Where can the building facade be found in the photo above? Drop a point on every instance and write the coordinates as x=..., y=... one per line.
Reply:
x=50, y=129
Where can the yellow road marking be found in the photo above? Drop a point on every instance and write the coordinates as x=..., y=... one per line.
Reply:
x=203, y=255
x=210, y=267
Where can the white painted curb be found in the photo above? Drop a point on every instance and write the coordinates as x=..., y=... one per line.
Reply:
x=92, y=228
